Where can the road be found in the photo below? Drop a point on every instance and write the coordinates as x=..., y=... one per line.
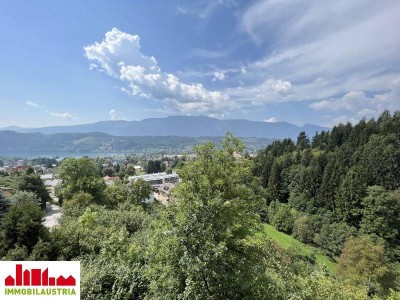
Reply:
x=53, y=213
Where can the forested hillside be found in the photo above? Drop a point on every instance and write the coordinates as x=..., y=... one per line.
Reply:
x=337, y=185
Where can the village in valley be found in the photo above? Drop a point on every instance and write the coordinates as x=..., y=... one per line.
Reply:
x=159, y=171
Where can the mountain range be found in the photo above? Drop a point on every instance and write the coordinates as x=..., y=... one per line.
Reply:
x=184, y=126
x=16, y=144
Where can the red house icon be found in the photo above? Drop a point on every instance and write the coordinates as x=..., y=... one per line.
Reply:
x=69, y=281
x=9, y=281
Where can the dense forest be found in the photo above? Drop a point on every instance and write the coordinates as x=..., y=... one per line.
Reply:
x=337, y=191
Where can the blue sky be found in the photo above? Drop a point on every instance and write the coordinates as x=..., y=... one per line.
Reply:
x=316, y=61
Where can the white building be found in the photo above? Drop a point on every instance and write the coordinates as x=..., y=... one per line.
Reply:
x=46, y=177
x=157, y=179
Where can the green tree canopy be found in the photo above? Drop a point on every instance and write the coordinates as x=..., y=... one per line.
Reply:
x=381, y=215
x=364, y=262
x=203, y=247
x=21, y=226
x=32, y=183
x=80, y=175
x=4, y=204
x=138, y=192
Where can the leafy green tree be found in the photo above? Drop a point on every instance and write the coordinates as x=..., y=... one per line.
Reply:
x=364, y=262
x=333, y=236
x=18, y=253
x=306, y=226
x=78, y=203
x=23, y=196
x=130, y=170
x=43, y=250
x=381, y=215
x=117, y=193
x=80, y=175
x=112, y=279
x=203, y=245
x=138, y=192
x=281, y=216
x=154, y=166
x=109, y=171
x=33, y=183
x=4, y=205
x=21, y=226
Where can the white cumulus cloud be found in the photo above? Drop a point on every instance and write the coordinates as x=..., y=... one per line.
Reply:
x=30, y=103
x=355, y=105
x=269, y=91
x=115, y=115
x=65, y=115
x=278, y=86
x=120, y=56
x=271, y=120
x=219, y=76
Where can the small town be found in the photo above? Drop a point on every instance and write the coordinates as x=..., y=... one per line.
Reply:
x=158, y=171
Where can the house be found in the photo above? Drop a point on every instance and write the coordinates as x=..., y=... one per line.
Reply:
x=19, y=169
x=110, y=180
x=47, y=177
x=138, y=168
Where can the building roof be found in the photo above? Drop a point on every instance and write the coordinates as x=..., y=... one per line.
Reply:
x=47, y=176
x=154, y=176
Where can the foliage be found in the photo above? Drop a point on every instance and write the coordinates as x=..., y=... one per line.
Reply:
x=112, y=279
x=80, y=175
x=306, y=226
x=21, y=226
x=4, y=205
x=79, y=202
x=23, y=196
x=364, y=262
x=333, y=236
x=97, y=230
x=33, y=183
x=138, y=192
x=381, y=215
x=281, y=216
x=203, y=246
x=116, y=193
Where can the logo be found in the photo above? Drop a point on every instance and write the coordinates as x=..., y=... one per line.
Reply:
x=40, y=280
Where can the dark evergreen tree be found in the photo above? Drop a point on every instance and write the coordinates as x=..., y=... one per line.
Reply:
x=31, y=182
x=303, y=142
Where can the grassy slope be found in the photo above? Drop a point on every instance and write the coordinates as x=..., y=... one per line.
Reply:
x=287, y=241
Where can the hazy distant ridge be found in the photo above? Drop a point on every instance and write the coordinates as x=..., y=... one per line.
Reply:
x=187, y=126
